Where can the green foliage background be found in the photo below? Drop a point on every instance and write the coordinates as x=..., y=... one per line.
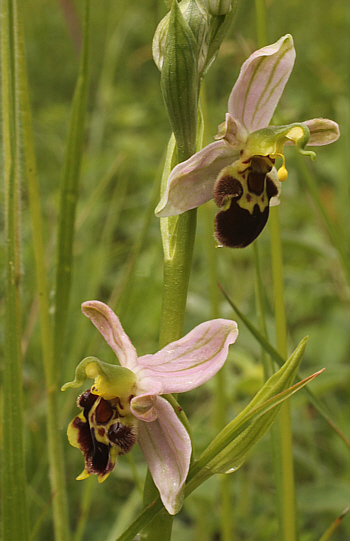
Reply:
x=118, y=255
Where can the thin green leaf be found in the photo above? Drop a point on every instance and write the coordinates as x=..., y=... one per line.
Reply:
x=14, y=499
x=55, y=453
x=235, y=429
x=275, y=390
x=69, y=190
x=327, y=534
x=279, y=360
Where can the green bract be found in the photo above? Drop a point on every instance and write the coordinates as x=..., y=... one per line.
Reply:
x=179, y=81
x=234, y=454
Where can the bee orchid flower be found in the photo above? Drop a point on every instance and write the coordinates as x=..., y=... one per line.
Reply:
x=124, y=406
x=238, y=169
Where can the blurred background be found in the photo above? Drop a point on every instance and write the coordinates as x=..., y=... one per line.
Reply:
x=118, y=256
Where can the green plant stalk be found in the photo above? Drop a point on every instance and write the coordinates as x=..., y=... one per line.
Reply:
x=327, y=535
x=178, y=232
x=275, y=436
x=220, y=397
x=261, y=28
x=286, y=484
x=69, y=192
x=177, y=269
x=15, y=524
x=55, y=453
x=281, y=434
x=276, y=442
x=259, y=295
x=178, y=235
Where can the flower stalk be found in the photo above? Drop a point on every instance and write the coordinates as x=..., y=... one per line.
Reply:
x=283, y=455
x=55, y=452
x=180, y=89
x=281, y=438
x=15, y=524
x=69, y=191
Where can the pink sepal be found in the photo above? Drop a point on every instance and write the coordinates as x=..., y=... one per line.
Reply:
x=109, y=326
x=166, y=446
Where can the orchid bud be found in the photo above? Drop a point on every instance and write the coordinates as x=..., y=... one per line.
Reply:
x=197, y=18
x=179, y=81
x=222, y=13
x=220, y=7
x=234, y=454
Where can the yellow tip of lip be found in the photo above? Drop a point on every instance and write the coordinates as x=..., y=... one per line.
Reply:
x=102, y=478
x=84, y=475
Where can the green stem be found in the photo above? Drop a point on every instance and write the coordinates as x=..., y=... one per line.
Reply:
x=69, y=192
x=261, y=28
x=220, y=397
x=281, y=433
x=286, y=482
x=177, y=269
x=259, y=295
x=57, y=474
x=278, y=443
x=14, y=501
x=178, y=235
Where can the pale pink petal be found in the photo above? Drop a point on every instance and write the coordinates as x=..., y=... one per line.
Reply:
x=260, y=84
x=192, y=360
x=190, y=183
x=166, y=446
x=109, y=326
x=322, y=131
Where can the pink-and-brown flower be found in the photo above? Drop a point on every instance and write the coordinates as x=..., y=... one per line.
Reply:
x=238, y=170
x=124, y=405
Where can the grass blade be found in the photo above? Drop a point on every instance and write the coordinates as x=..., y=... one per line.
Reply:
x=55, y=453
x=69, y=191
x=14, y=500
x=280, y=361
